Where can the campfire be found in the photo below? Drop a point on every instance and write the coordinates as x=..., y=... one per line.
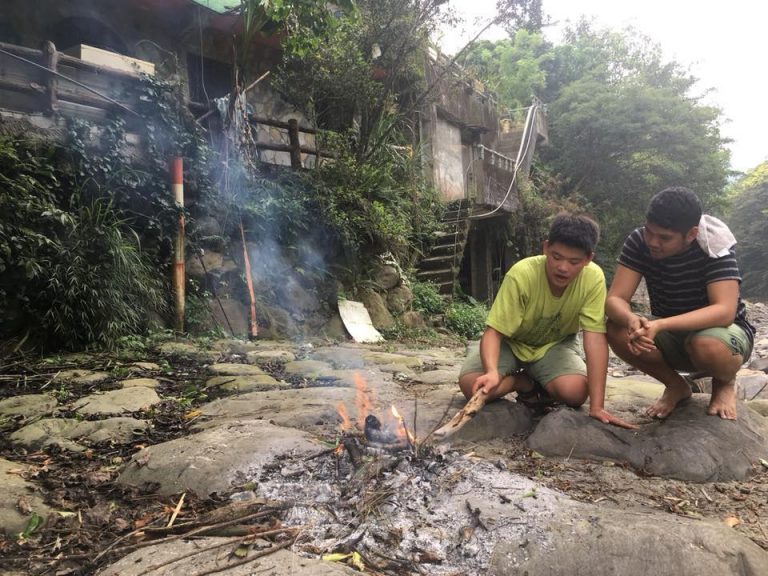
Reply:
x=388, y=432
x=387, y=502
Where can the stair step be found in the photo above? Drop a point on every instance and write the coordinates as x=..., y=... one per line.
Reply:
x=436, y=276
x=444, y=250
x=438, y=262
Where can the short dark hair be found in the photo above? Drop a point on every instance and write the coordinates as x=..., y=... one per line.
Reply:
x=576, y=231
x=676, y=208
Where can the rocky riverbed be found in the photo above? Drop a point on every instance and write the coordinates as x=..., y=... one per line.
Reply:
x=230, y=457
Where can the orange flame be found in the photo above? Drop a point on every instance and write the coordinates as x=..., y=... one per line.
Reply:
x=400, y=429
x=345, y=423
x=362, y=400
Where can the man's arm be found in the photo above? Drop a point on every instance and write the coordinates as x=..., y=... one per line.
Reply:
x=617, y=303
x=490, y=348
x=596, y=352
x=723, y=302
x=721, y=311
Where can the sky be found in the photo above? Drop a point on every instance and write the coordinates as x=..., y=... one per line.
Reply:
x=724, y=44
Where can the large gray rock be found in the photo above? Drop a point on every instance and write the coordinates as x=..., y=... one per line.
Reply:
x=17, y=495
x=215, y=460
x=234, y=369
x=381, y=317
x=687, y=445
x=591, y=541
x=76, y=434
x=131, y=399
x=501, y=419
x=28, y=406
x=177, y=557
x=340, y=357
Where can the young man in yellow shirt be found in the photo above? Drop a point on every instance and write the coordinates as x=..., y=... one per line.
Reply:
x=530, y=344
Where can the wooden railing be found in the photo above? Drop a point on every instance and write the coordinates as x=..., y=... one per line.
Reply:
x=51, y=82
x=48, y=81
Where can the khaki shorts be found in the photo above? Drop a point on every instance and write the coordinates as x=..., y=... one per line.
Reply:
x=565, y=357
x=672, y=345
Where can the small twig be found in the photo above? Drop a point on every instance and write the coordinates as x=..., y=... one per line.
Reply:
x=121, y=539
x=255, y=556
x=212, y=547
x=44, y=386
x=176, y=510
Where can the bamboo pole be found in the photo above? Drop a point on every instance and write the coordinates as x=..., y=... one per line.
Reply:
x=253, y=328
x=177, y=187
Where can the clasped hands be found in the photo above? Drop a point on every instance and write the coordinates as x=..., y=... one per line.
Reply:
x=642, y=332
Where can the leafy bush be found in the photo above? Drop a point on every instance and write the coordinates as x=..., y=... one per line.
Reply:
x=71, y=271
x=467, y=320
x=427, y=298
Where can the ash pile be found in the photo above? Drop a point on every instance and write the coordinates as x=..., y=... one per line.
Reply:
x=379, y=500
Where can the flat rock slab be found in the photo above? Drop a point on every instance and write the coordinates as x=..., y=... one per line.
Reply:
x=16, y=489
x=244, y=383
x=75, y=434
x=438, y=377
x=340, y=357
x=189, y=351
x=309, y=369
x=500, y=419
x=267, y=356
x=387, y=358
x=688, y=445
x=302, y=408
x=215, y=460
x=28, y=406
x=590, y=541
x=146, y=366
x=145, y=382
x=81, y=376
x=120, y=401
x=218, y=560
x=234, y=369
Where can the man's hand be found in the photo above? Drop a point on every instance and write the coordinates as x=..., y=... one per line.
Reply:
x=488, y=382
x=608, y=418
x=641, y=333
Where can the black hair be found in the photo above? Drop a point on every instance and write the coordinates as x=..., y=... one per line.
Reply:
x=576, y=231
x=676, y=208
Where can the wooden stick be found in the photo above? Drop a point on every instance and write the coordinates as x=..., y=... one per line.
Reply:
x=176, y=510
x=463, y=416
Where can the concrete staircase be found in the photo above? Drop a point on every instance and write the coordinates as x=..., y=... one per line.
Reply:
x=441, y=265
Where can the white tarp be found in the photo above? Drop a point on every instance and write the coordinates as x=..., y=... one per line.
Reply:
x=357, y=321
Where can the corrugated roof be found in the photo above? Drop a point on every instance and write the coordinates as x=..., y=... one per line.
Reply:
x=219, y=6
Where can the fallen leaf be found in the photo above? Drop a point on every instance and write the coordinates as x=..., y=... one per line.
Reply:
x=24, y=506
x=241, y=551
x=34, y=523
x=731, y=521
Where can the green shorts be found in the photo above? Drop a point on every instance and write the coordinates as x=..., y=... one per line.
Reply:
x=672, y=345
x=565, y=357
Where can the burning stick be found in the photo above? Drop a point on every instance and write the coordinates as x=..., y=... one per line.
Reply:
x=471, y=408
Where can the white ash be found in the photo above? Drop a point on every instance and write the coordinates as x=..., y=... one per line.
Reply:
x=414, y=512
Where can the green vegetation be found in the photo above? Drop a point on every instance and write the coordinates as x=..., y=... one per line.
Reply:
x=749, y=222
x=466, y=319
x=623, y=124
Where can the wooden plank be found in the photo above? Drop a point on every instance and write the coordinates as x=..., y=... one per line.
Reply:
x=111, y=60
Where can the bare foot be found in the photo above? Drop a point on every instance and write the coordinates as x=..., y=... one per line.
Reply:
x=723, y=401
x=672, y=396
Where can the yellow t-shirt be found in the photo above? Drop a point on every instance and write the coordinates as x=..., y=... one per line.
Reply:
x=533, y=320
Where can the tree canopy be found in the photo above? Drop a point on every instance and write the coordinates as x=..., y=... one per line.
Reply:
x=749, y=222
x=623, y=123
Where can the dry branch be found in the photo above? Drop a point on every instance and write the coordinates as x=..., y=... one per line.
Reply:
x=463, y=416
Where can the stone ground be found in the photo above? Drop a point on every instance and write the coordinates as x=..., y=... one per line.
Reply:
x=226, y=457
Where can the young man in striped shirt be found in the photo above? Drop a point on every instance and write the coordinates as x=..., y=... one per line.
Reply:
x=698, y=320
